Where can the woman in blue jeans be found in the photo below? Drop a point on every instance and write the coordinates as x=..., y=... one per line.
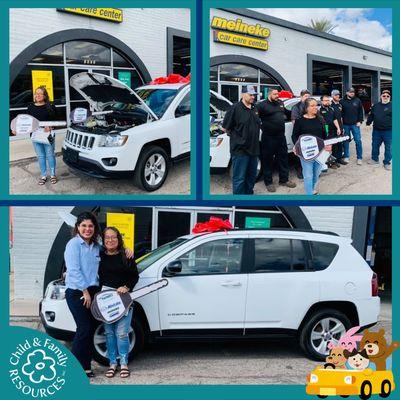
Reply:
x=42, y=110
x=116, y=271
x=314, y=125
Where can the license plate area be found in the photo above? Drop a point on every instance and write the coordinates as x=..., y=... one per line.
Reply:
x=71, y=155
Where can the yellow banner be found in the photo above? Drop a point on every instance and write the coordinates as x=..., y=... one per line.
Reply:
x=43, y=78
x=240, y=40
x=125, y=223
x=110, y=14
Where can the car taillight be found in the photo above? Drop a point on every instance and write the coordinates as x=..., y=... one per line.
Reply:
x=374, y=284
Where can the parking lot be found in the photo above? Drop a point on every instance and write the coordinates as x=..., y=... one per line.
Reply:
x=277, y=361
x=24, y=175
x=349, y=179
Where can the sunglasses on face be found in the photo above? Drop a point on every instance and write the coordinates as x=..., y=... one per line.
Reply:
x=385, y=95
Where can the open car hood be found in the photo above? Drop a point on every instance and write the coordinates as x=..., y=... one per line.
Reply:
x=101, y=90
x=221, y=103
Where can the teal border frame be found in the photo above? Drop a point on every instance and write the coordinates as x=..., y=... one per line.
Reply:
x=209, y=4
x=4, y=90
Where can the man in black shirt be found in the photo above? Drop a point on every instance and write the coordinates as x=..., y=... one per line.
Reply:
x=242, y=124
x=273, y=140
x=353, y=116
x=381, y=116
x=337, y=148
x=330, y=117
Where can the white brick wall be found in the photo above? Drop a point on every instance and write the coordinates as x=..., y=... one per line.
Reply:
x=288, y=51
x=144, y=30
x=35, y=229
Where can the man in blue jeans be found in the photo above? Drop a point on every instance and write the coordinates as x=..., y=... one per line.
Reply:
x=242, y=125
x=381, y=117
x=353, y=116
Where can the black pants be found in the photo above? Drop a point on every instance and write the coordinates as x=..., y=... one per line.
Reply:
x=274, y=147
x=82, y=346
x=337, y=150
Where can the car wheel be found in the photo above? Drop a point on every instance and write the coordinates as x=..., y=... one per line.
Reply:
x=152, y=168
x=136, y=341
x=386, y=388
x=319, y=329
x=322, y=396
x=365, y=390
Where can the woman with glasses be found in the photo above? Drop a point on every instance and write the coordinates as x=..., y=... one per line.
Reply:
x=118, y=272
x=381, y=118
x=314, y=125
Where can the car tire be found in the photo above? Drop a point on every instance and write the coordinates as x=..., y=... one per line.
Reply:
x=310, y=326
x=137, y=335
x=152, y=158
x=385, y=393
x=365, y=390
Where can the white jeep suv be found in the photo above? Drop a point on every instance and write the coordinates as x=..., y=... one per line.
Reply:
x=243, y=284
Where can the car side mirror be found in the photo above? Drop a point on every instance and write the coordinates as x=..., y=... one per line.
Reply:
x=173, y=268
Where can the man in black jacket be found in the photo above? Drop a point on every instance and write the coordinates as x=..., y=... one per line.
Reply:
x=242, y=125
x=273, y=140
x=353, y=116
x=381, y=116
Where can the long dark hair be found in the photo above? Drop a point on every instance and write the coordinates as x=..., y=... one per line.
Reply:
x=121, y=246
x=307, y=103
x=91, y=217
x=47, y=103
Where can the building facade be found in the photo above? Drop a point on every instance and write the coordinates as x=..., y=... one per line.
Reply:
x=134, y=45
x=248, y=47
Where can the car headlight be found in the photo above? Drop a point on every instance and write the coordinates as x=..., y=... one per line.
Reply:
x=215, y=142
x=348, y=380
x=313, y=378
x=57, y=292
x=113, y=140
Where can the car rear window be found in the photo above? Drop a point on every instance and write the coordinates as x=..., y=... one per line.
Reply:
x=322, y=254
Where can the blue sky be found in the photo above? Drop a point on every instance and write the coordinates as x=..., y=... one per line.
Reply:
x=371, y=26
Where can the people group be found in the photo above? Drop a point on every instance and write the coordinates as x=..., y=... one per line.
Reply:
x=97, y=261
x=329, y=118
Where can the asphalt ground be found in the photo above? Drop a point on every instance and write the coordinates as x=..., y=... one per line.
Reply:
x=277, y=361
x=24, y=176
x=349, y=179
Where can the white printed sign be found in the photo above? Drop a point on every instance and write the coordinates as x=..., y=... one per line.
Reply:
x=79, y=115
x=110, y=305
x=309, y=147
x=23, y=124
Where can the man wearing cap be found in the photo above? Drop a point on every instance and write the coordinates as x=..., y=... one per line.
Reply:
x=337, y=148
x=242, y=124
x=297, y=113
x=381, y=118
x=273, y=140
x=353, y=116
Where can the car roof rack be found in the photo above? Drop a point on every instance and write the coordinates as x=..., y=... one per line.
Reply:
x=287, y=230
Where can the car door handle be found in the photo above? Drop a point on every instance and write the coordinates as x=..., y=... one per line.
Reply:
x=231, y=283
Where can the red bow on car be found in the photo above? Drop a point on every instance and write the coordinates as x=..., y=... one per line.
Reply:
x=213, y=225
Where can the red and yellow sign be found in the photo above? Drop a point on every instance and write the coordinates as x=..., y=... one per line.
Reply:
x=240, y=40
x=109, y=14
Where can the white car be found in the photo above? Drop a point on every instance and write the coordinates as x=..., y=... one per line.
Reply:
x=243, y=284
x=131, y=132
x=220, y=157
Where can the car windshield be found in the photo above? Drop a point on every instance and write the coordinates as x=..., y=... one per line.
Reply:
x=158, y=100
x=156, y=254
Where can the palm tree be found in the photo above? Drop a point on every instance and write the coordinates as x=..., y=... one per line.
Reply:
x=322, y=25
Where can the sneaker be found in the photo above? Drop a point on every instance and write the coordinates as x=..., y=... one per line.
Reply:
x=289, y=184
x=359, y=162
x=372, y=162
x=333, y=166
x=342, y=161
x=388, y=167
x=271, y=188
x=346, y=159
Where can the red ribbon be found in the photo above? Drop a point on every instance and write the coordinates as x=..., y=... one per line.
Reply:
x=285, y=94
x=171, y=78
x=213, y=225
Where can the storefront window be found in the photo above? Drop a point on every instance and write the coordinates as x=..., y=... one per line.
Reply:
x=238, y=73
x=53, y=55
x=120, y=61
x=21, y=91
x=130, y=77
x=386, y=82
x=181, y=62
x=214, y=73
x=87, y=53
x=327, y=77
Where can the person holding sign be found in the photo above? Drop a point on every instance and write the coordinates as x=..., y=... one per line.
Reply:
x=82, y=257
x=312, y=125
x=118, y=272
x=42, y=110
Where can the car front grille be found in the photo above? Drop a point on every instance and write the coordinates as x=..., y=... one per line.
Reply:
x=80, y=140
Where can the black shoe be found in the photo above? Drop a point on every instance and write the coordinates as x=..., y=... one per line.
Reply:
x=341, y=161
x=90, y=374
x=299, y=174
